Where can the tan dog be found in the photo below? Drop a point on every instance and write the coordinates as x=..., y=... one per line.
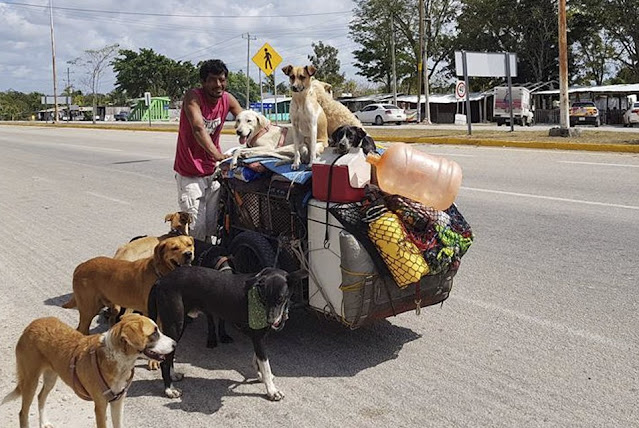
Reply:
x=307, y=117
x=98, y=368
x=264, y=139
x=103, y=281
x=143, y=247
x=337, y=114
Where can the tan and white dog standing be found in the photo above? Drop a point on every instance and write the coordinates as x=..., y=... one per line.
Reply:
x=98, y=368
x=307, y=117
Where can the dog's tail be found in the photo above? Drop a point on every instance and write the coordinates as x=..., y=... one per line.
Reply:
x=13, y=395
x=71, y=303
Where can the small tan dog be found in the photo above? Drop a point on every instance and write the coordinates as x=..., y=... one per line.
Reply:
x=141, y=248
x=103, y=281
x=337, y=114
x=98, y=368
x=307, y=117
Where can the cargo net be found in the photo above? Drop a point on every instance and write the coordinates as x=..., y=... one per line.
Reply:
x=405, y=238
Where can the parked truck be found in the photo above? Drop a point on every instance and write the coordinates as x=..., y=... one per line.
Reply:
x=523, y=111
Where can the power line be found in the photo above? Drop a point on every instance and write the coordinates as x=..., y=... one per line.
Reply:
x=121, y=12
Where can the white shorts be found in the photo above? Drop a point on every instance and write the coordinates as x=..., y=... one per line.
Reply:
x=199, y=196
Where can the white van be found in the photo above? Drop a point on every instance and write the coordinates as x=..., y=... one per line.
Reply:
x=523, y=111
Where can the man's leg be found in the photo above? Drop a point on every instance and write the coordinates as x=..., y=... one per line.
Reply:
x=212, y=199
x=191, y=196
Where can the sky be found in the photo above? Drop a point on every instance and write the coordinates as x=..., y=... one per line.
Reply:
x=179, y=29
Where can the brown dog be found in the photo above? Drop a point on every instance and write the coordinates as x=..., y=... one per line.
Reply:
x=308, y=121
x=337, y=114
x=142, y=248
x=103, y=281
x=98, y=368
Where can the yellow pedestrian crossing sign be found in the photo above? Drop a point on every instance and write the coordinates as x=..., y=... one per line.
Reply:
x=267, y=59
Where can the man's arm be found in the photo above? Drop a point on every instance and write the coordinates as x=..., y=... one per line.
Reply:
x=193, y=112
x=234, y=105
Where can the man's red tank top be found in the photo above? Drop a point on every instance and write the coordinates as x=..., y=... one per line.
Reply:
x=191, y=159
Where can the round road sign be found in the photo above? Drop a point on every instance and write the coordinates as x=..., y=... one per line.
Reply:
x=460, y=89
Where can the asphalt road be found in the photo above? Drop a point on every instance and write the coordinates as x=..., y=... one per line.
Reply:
x=541, y=329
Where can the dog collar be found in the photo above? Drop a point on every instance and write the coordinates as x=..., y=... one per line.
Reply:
x=219, y=265
x=107, y=392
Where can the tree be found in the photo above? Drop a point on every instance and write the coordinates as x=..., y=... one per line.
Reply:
x=324, y=59
x=373, y=25
x=620, y=19
x=95, y=62
x=236, y=85
x=525, y=27
x=16, y=105
x=148, y=71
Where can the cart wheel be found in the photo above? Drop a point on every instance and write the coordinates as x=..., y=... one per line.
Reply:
x=251, y=252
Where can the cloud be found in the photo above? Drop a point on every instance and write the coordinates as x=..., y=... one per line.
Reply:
x=213, y=29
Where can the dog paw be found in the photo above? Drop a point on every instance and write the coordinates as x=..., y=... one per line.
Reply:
x=173, y=392
x=153, y=365
x=295, y=166
x=275, y=396
x=211, y=344
x=176, y=377
x=46, y=425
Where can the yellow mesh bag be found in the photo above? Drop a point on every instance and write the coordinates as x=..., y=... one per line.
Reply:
x=404, y=260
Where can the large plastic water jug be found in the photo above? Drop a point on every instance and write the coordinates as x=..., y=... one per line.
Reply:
x=432, y=180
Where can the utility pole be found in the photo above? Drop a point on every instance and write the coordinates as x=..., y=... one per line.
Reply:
x=248, y=58
x=419, y=60
x=426, y=119
x=564, y=119
x=55, y=84
x=394, y=82
x=68, y=94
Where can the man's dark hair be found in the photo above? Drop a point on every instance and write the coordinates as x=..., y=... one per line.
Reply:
x=213, y=66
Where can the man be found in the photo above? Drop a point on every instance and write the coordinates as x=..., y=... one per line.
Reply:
x=204, y=111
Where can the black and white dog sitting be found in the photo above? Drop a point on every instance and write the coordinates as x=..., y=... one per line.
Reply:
x=257, y=303
x=347, y=136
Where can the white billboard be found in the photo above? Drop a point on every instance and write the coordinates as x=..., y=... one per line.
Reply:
x=50, y=99
x=486, y=64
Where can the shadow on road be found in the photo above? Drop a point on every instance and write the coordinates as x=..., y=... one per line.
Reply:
x=309, y=345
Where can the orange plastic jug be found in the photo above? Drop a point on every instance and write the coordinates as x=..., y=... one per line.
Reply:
x=432, y=180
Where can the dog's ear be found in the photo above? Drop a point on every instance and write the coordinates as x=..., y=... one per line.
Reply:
x=360, y=133
x=297, y=275
x=328, y=87
x=187, y=217
x=337, y=134
x=287, y=69
x=158, y=251
x=310, y=70
x=169, y=217
x=262, y=120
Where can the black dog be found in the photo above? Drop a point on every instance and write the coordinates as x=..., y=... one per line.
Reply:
x=346, y=136
x=257, y=303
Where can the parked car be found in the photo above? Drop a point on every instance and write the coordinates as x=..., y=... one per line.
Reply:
x=631, y=116
x=584, y=113
x=380, y=114
x=123, y=116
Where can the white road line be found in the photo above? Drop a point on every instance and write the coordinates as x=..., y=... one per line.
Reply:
x=551, y=198
x=119, y=201
x=558, y=327
x=451, y=154
x=74, y=146
x=600, y=164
